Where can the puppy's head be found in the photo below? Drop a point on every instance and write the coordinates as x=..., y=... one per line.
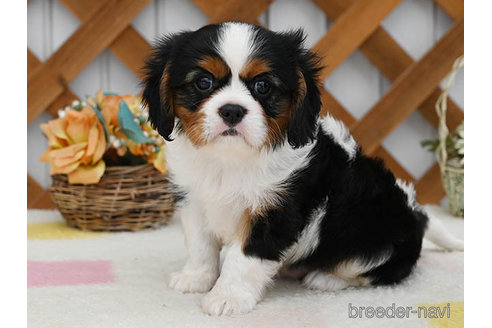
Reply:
x=233, y=83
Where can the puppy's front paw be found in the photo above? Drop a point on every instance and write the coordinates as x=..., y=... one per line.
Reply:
x=191, y=282
x=217, y=302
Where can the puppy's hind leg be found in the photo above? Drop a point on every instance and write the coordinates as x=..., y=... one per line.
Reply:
x=349, y=273
x=326, y=281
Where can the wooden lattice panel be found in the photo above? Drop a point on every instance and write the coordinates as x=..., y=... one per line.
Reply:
x=356, y=25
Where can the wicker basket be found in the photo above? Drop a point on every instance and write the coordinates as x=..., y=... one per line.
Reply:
x=453, y=178
x=127, y=198
x=454, y=184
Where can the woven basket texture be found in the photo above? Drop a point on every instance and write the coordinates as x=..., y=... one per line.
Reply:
x=454, y=184
x=128, y=198
x=453, y=178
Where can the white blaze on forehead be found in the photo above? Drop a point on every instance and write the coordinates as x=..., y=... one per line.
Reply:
x=236, y=45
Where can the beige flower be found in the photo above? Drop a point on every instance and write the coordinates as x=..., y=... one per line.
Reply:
x=76, y=145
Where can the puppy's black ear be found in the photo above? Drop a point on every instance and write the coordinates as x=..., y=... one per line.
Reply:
x=157, y=93
x=306, y=99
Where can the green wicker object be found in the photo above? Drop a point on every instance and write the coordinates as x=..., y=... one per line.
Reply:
x=453, y=178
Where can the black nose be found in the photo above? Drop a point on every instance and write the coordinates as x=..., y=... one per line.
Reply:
x=232, y=114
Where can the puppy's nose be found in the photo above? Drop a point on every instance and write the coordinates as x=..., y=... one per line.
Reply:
x=232, y=114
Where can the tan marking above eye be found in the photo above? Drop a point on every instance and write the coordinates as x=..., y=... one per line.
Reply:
x=215, y=65
x=254, y=67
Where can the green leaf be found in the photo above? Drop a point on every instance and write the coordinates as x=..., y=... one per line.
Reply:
x=101, y=119
x=109, y=93
x=129, y=127
x=431, y=145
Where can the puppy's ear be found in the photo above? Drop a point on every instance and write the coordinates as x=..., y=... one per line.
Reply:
x=157, y=93
x=306, y=100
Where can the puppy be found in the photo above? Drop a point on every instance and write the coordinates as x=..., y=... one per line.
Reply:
x=259, y=171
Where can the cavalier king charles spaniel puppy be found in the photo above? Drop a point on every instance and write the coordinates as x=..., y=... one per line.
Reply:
x=258, y=170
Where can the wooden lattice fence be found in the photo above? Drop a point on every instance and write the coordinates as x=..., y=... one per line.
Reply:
x=356, y=25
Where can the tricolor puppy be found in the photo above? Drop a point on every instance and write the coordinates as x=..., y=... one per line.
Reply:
x=260, y=172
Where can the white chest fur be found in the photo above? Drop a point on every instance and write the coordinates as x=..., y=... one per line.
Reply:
x=228, y=177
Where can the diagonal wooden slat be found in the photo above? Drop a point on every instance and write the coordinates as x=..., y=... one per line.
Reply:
x=37, y=196
x=130, y=47
x=34, y=191
x=454, y=8
x=454, y=115
x=390, y=58
x=429, y=187
x=410, y=90
x=62, y=100
x=247, y=11
x=392, y=61
x=208, y=6
x=239, y=10
x=350, y=30
x=41, y=85
x=83, y=10
x=32, y=62
x=78, y=51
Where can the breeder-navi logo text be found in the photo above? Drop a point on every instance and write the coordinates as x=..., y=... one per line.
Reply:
x=400, y=312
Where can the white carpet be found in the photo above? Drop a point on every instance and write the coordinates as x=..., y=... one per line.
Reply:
x=127, y=286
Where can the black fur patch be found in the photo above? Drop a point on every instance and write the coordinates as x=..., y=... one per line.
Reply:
x=366, y=216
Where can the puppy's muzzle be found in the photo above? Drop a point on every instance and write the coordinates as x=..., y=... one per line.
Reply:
x=232, y=114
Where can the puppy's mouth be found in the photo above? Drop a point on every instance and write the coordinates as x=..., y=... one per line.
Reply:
x=230, y=132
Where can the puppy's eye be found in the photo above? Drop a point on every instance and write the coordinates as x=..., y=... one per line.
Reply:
x=204, y=83
x=262, y=87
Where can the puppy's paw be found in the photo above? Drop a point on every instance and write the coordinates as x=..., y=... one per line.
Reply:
x=217, y=302
x=191, y=282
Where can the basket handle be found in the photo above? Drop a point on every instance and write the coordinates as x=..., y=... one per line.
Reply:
x=441, y=108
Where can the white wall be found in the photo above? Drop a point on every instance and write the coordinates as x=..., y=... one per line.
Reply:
x=415, y=24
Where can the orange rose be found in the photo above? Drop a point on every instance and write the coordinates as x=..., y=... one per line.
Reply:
x=109, y=105
x=76, y=145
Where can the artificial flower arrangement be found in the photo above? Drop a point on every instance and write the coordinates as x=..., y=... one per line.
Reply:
x=108, y=130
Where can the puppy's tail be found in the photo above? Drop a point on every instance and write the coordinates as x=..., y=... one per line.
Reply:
x=437, y=233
